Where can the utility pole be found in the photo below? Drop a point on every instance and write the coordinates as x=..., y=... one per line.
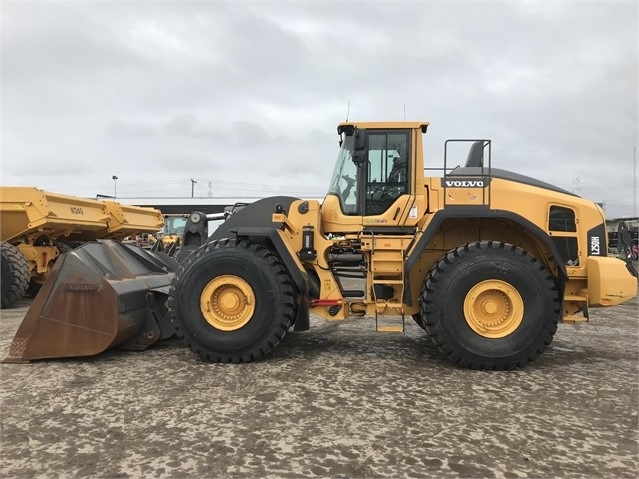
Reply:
x=115, y=186
x=192, y=186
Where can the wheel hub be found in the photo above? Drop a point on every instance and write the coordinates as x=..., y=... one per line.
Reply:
x=227, y=302
x=493, y=309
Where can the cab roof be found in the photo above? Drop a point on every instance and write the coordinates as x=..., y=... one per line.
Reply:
x=383, y=125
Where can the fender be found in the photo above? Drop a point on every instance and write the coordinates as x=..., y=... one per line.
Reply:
x=269, y=237
x=472, y=212
x=255, y=223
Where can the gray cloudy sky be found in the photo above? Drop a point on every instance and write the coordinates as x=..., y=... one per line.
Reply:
x=244, y=97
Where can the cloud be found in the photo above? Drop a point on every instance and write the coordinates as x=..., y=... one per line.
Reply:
x=246, y=96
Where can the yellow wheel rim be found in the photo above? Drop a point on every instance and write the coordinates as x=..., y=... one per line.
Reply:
x=227, y=303
x=493, y=309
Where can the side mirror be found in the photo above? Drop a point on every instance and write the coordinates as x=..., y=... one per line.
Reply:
x=359, y=146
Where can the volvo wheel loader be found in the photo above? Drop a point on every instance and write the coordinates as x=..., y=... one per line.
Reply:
x=486, y=261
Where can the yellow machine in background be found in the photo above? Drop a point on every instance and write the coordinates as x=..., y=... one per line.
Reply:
x=171, y=235
x=184, y=232
x=485, y=260
x=37, y=226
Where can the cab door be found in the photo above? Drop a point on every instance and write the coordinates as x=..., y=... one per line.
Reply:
x=385, y=195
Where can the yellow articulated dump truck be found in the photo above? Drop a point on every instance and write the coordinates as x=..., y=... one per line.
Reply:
x=37, y=226
x=485, y=260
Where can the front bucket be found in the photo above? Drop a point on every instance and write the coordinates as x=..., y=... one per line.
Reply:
x=99, y=296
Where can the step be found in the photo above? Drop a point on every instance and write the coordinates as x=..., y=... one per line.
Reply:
x=388, y=304
x=390, y=328
x=573, y=297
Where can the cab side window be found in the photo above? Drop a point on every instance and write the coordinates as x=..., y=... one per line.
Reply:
x=388, y=173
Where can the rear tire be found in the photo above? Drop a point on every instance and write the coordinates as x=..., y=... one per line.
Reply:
x=232, y=301
x=15, y=274
x=490, y=305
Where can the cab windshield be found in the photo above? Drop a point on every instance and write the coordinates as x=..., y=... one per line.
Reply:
x=174, y=225
x=344, y=179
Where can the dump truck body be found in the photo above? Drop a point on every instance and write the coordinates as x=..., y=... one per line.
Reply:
x=30, y=212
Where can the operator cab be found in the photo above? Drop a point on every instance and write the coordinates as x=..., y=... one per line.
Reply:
x=372, y=186
x=174, y=225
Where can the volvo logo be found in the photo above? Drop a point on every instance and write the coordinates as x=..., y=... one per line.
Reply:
x=465, y=183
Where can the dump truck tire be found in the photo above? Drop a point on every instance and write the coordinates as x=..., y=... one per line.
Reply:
x=232, y=301
x=490, y=305
x=15, y=274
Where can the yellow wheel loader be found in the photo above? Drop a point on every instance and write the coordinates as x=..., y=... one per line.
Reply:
x=37, y=226
x=184, y=232
x=169, y=239
x=486, y=261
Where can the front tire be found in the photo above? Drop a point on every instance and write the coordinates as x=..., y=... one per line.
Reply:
x=490, y=305
x=232, y=301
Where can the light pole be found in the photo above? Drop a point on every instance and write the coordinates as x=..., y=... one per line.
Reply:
x=192, y=186
x=115, y=186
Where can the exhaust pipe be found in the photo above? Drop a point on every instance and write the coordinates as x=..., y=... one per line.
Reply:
x=102, y=295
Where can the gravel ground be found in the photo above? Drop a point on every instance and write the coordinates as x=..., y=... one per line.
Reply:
x=338, y=401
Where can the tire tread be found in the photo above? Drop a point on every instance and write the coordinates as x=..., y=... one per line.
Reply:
x=17, y=267
x=429, y=298
x=279, y=331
